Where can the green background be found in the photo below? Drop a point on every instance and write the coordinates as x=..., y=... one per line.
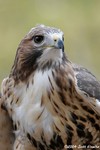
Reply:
x=78, y=19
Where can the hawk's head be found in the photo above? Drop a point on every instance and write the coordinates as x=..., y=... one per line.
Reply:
x=42, y=48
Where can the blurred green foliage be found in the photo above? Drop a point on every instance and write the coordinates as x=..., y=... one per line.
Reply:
x=79, y=20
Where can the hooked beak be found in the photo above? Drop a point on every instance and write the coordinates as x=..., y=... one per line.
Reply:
x=59, y=44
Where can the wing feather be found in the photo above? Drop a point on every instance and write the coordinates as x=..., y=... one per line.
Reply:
x=6, y=129
x=87, y=82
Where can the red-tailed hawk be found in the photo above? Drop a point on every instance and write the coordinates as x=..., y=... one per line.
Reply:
x=41, y=95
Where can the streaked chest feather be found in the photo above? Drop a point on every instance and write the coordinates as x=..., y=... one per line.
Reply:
x=35, y=111
x=49, y=104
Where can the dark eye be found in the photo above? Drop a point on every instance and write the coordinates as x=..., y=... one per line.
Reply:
x=38, y=39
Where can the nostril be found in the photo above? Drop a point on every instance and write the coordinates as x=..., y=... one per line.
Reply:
x=55, y=40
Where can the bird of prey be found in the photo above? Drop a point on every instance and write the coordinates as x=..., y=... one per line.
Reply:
x=45, y=97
